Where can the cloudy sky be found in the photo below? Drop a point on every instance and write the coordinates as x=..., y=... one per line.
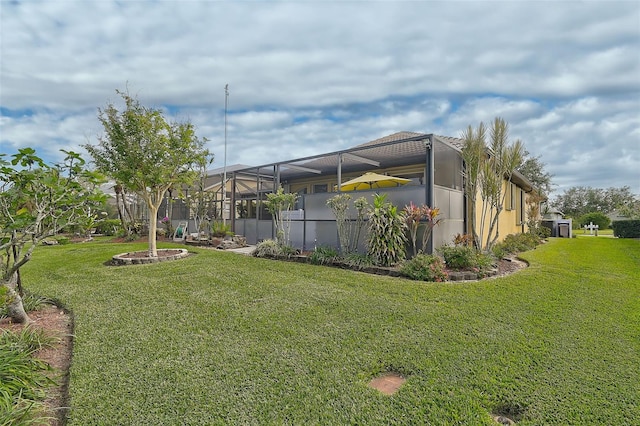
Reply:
x=308, y=77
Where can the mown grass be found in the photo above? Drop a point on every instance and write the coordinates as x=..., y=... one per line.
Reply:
x=220, y=338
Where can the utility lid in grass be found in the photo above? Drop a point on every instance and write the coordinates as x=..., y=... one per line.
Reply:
x=388, y=383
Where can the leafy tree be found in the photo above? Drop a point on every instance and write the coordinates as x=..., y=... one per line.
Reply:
x=146, y=154
x=534, y=217
x=631, y=209
x=199, y=201
x=580, y=200
x=276, y=204
x=597, y=218
x=487, y=165
x=36, y=202
x=533, y=169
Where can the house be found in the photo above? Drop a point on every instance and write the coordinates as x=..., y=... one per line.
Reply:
x=433, y=165
x=553, y=214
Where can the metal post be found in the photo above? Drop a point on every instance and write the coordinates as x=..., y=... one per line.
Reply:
x=429, y=184
x=224, y=173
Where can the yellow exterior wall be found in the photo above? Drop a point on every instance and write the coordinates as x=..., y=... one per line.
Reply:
x=513, y=217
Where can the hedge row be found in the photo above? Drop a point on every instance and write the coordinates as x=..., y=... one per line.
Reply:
x=626, y=228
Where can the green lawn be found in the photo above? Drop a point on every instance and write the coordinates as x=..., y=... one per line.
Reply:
x=220, y=338
x=601, y=232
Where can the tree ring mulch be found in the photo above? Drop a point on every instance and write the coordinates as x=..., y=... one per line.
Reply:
x=142, y=257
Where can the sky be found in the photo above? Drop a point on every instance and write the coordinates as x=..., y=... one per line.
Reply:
x=310, y=77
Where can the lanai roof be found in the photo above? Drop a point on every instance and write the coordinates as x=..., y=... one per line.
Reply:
x=400, y=148
x=397, y=149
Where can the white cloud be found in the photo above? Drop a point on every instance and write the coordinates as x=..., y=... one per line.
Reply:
x=312, y=77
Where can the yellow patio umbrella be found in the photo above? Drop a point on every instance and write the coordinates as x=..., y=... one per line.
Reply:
x=372, y=180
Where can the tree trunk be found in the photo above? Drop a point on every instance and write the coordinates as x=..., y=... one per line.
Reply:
x=153, y=226
x=15, y=308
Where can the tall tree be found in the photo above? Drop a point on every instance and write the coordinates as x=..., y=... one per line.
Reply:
x=533, y=169
x=487, y=166
x=145, y=153
x=580, y=200
x=36, y=202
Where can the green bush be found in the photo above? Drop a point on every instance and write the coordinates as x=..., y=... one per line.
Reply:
x=626, y=228
x=22, y=377
x=267, y=248
x=4, y=301
x=29, y=340
x=425, y=267
x=323, y=256
x=466, y=257
x=357, y=261
x=386, y=242
x=63, y=240
x=271, y=248
x=597, y=218
x=515, y=243
x=542, y=232
x=108, y=227
x=459, y=256
x=484, y=262
x=220, y=229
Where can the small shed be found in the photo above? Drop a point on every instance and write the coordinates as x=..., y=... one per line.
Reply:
x=561, y=228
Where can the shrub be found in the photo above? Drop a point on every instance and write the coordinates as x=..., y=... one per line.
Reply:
x=515, y=243
x=484, y=262
x=4, y=301
x=597, y=218
x=108, y=226
x=357, y=261
x=22, y=377
x=459, y=256
x=386, y=243
x=626, y=228
x=425, y=267
x=33, y=302
x=323, y=256
x=29, y=340
x=30, y=302
x=267, y=248
x=271, y=248
x=220, y=229
x=543, y=232
x=288, y=251
x=63, y=240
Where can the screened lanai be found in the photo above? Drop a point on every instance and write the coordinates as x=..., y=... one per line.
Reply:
x=431, y=163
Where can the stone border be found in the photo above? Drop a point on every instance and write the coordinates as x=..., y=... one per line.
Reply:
x=128, y=258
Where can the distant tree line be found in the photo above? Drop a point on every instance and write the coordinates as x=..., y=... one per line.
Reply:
x=578, y=201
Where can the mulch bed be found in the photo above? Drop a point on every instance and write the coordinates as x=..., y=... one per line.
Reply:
x=59, y=324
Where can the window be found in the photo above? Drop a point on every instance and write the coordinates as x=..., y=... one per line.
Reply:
x=447, y=167
x=320, y=188
x=510, y=199
x=519, y=194
x=300, y=199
